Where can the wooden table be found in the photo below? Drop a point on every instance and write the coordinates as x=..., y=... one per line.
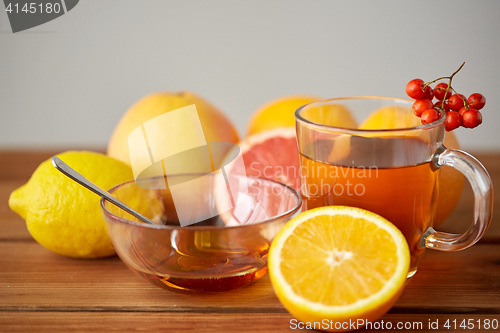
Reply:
x=43, y=292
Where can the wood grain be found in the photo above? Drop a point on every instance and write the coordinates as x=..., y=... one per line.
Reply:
x=44, y=292
x=17, y=167
x=35, y=279
x=462, y=216
x=213, y=322
x=21, y=164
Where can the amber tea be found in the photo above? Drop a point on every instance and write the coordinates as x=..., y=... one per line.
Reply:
x=401, y=189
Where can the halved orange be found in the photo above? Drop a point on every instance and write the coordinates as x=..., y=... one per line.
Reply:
x=338, y=264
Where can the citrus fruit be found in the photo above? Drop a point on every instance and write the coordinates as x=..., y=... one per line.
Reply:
x=451, y=183
x=216, y=126
x=390, y=117
x=339, y=264
x=277, y=113
x=271, y=154
x=450, y=180
x=63, y=216
x=335, y=115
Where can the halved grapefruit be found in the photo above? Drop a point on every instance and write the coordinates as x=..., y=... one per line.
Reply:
x=271, y=154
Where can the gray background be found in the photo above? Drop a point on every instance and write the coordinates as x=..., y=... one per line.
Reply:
x=66, y=83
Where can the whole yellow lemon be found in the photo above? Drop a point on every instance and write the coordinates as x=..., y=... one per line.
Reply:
x=216, y=126
x=63, y=216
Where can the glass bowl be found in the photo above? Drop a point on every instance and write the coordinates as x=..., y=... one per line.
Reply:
x=223, y=244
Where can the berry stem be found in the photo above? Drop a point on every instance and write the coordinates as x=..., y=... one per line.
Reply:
x=458, y=70
x=445, y=77
x=431, y=82
x=449, y=83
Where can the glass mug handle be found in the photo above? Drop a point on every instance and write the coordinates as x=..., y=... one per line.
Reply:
x=482, y=187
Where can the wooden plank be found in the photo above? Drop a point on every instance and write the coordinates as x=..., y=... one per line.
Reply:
x=41, y=291
x=20, y=164
x=16, y=164
x=12, y=226
x=462, y=216
x=217, y=322
x=16, y=168
x=34, y=279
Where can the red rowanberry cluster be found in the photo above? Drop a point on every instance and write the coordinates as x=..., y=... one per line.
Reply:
x=459, y=110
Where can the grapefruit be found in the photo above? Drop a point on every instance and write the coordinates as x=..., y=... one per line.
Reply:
x=450, y=181
x=271, y=155
x=390, y=117
x=335, y=115
x=216, y=126
x=277, y=113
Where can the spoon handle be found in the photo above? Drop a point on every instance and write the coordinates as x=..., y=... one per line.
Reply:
x=71, y=173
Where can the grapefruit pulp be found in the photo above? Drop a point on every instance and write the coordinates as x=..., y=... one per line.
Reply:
x=271, y=154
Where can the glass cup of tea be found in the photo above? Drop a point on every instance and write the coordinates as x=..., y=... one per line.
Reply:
x=388, y=164
x=202, y=242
